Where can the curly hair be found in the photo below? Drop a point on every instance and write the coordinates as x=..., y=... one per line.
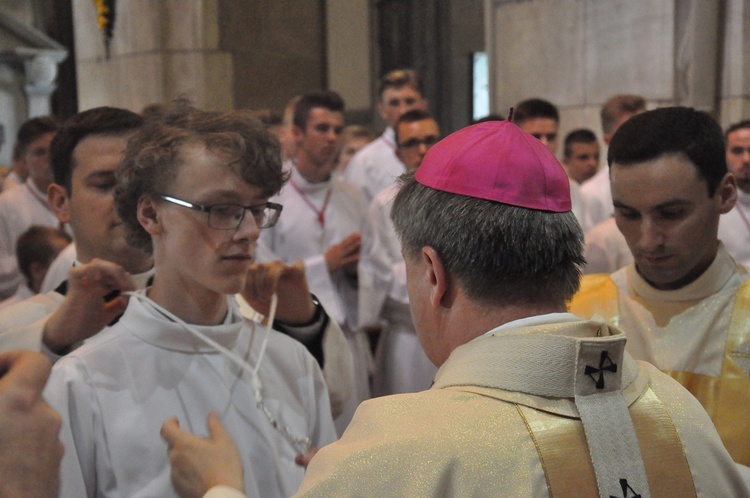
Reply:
x=153, y=157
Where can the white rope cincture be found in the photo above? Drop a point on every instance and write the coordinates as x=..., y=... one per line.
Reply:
x=300, y=443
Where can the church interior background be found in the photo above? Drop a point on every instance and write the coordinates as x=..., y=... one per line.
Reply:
x=256, y=54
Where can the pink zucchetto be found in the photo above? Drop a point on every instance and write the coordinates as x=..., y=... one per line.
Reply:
x=498, y=162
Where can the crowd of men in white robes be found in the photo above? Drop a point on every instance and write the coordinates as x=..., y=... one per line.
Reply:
x=667, y=218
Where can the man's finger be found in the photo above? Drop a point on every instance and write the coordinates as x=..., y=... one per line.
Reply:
x=24, y=369
x=216, y=430
x=170, y=431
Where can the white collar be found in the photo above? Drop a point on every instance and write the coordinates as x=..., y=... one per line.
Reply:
x=712, y=281
x=531, y=321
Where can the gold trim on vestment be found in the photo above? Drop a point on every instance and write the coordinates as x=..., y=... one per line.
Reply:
x=725, y=398
x=563, y=451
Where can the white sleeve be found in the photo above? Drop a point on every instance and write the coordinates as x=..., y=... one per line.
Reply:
x=10, y=276
x=69, y=396
x=22, y=324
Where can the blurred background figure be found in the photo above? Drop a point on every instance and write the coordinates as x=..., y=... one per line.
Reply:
x=581, y=155
x=353, y=138
x=36, y=248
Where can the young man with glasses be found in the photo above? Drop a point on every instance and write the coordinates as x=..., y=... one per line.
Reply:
x=401, y=365
x=192, y=191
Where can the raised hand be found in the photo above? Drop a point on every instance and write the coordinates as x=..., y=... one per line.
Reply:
x=84, y=312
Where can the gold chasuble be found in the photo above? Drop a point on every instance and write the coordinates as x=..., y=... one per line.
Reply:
x=553, y=408
x=701, y=341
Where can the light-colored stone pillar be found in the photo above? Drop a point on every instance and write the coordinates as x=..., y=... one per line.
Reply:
x=40, y=68
x=735, y=63
x=348, y=54
x=159, y=50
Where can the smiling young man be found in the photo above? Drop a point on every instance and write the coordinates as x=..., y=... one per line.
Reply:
x=684, y=302
x=193, y=191
x=376, y=166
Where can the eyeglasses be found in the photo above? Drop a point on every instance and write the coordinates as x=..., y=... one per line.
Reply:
x=413, y=143
x=230, y=216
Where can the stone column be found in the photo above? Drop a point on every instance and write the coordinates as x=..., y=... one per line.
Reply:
x=40, y=69
x=159, y=50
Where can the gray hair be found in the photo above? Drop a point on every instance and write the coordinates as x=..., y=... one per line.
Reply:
x=498, y=254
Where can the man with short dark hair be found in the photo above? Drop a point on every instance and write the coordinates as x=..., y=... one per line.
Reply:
x=322, y=225
x=84, y=157
x=22, y=207
x=684, y=302
x=401, y=365
x=376, y=166
x=734, y=227
x=529, y=400
x=540, y=119
x=581, y=155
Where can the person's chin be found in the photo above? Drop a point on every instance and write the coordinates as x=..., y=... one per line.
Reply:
x=660, y=274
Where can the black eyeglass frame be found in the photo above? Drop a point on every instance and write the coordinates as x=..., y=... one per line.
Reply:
x=413, y=143
x=269, y=220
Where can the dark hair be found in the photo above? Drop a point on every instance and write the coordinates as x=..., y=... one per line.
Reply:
x=736, y=126
x=489, y=117
x=153, y=157
x=579, y=136
x=672, y=130
x=498, y=254
x=309, y=101
x=534, y=109
x=96, y=121
x=411, y=117
x=269, y=118
x=616, y=106
x=36, y=245
x=34, y=128
x=399, y=78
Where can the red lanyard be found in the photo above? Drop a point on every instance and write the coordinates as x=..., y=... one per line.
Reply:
x=320, y=212
x=388, y=142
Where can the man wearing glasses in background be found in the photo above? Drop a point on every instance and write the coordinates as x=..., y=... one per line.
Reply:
x=401, y=365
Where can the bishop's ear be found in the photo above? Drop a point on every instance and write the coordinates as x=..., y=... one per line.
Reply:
x=148, y=215
x=436, y=276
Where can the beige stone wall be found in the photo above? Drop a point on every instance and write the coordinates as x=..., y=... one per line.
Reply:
x=577, y=53
x=160, y=50
x=735, y=76
x=277, y=49
x=348, y=52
